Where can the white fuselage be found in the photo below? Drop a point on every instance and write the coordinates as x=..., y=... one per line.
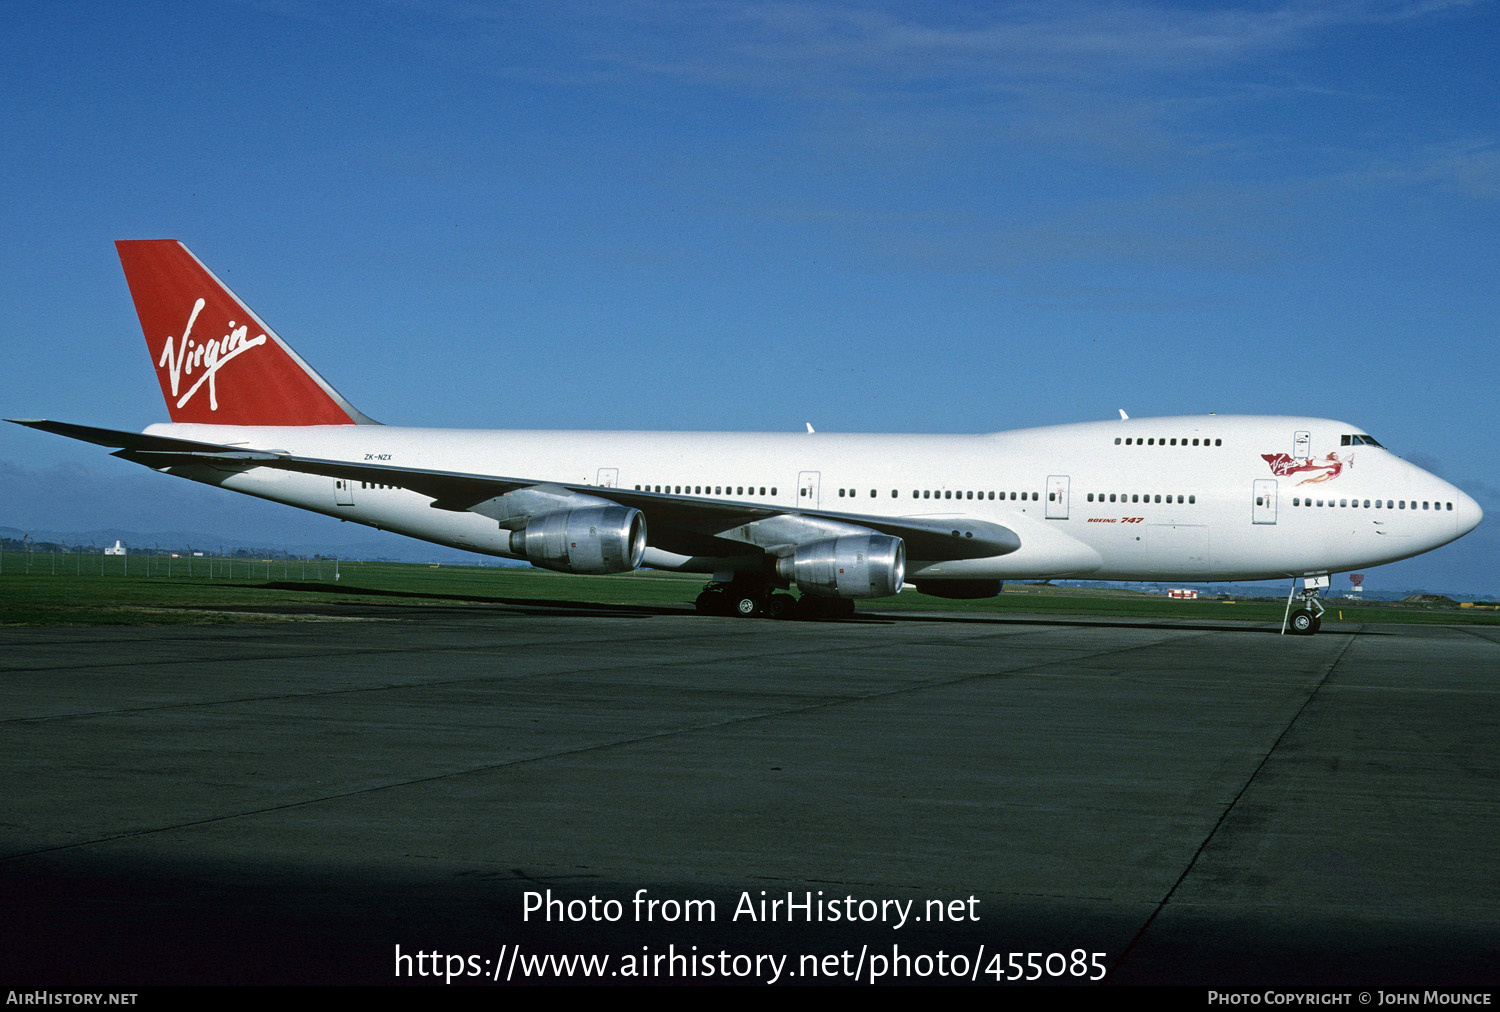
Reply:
x=1189, y=498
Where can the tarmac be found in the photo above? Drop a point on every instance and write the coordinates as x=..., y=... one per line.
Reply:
x=423, y=795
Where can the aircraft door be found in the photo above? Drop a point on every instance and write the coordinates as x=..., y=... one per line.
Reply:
x=1057, y=497
x=1264, y=511
x=807, y=489
x=1302, y=445
x=343, y=492
x=609, y=477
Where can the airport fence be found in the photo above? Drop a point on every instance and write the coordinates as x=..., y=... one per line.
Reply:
x=196, y=565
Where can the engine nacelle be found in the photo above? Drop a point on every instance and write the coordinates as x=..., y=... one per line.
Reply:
x=595, y=540
x=856, y=565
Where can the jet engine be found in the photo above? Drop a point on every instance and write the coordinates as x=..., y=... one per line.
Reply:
x=857, y=565
x=594, y=540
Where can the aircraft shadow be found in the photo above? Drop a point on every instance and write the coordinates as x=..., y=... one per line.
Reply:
x=622, y=610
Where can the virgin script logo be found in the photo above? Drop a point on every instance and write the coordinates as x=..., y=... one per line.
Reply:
x=1284, y=465
x=186, y=356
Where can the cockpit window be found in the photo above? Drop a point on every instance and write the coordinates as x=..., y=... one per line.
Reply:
x=1358, y=440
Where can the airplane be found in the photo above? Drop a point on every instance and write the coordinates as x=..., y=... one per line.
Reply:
x=840, y=517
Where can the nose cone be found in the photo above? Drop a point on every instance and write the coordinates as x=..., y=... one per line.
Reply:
x=1468, y=513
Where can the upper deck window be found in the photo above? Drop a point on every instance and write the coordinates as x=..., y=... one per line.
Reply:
x=1355, y=439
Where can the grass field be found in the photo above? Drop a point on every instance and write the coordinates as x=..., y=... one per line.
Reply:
x=139, y=590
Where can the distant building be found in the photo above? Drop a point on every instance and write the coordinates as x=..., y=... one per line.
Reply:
x=1183, y=594
x=119, y=549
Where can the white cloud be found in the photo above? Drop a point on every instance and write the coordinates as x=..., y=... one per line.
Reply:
x=1467, y=167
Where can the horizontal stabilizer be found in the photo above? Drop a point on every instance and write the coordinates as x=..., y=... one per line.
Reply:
x=121, y=439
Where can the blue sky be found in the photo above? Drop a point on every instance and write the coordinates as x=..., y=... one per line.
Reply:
x=748, y=215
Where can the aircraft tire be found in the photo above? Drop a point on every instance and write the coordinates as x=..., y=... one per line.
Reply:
x=781, y=606
x=1302, y=622
x=744, y=605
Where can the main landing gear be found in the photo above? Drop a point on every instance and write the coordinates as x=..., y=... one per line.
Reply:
x=751, y=599
x=1308, y=616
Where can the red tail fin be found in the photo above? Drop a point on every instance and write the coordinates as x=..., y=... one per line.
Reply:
x=217, y=362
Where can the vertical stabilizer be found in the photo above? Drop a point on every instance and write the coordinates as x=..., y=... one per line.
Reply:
x=217, y=362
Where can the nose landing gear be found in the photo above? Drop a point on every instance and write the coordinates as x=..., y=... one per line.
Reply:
x=1308, y=616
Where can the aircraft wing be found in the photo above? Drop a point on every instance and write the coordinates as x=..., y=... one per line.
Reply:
x=689, y=525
